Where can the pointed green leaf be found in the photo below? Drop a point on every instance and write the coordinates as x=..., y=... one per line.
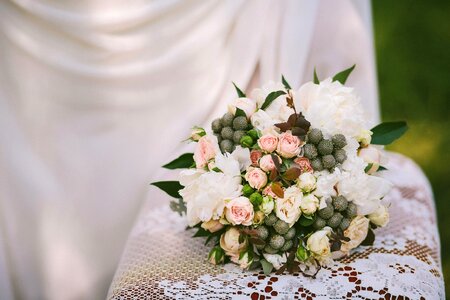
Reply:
x=370, y=239
x=184, y=161
x=343, y=75
x=271, y=97
x=267, y=266
x=285, y=83
x=240, y=93
x=315, y=77
x=239, y=113
x=170, y=187
x=381, y=168
x=387, y=132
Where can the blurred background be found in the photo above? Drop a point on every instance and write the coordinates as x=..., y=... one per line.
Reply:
x=412, y=42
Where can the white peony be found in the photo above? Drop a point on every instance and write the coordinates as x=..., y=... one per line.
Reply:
x=380, y=216
x=245, y=104
x=325, y=185
x=288, y=208
x=331, y=107
x=228, y=165
x=319, y=244
x=307, y=182
x=242, y=156
x=276, y=260
x=309, y=204
x=205, y=196
x=356, y=232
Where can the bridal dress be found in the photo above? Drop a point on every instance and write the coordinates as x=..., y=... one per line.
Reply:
x=96, y=95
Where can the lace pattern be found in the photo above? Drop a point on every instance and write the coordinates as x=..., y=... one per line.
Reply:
x=162, y=261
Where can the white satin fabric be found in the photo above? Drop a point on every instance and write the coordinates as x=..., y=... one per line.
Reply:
x=96, y=95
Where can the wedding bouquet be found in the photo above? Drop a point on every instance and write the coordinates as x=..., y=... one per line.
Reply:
x=286, y=179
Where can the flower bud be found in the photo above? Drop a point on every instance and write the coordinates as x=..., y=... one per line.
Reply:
x=267, y=205
x=302, y=253
x=246, y=141
x=197, y=133
x=372, y=157
x=216, y=255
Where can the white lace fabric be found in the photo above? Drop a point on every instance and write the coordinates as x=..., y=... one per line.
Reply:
x=163, y=261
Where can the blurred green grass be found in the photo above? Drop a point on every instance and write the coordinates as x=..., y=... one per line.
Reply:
x=412, y=45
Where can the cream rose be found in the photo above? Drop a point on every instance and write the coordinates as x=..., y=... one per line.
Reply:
x=364, y=137
x=229, y=242
x=319, y=244
x=246, y=104
x=288, y=208
x=256, y=177
x=239, y=211
x=380, y=217
x=356, y=232
x=371, y=156
x=266, y=163
x=212, y=225
x=267, y=205
x=307, y=182
x=288, y=145
x=309, y=204
x=268, y=143
x=207, y=148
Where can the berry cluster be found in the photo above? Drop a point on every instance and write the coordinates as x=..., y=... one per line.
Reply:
x=324, y=153
x=338, y=214
x=230, y=131
x=277, y=235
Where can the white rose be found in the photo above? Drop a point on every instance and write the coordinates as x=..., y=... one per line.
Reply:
x=372, y=157
x=288, y=208
x=319, y=244
x=307, y=182
x=309, y=204
x=229, y=242
x=356, y=232
x=364, y=137
x=245, y=104
x=380, y=217
x=205, y=196
x=242, y=156
x=331, y=107
x=263, y=122
x=276, y=260
x=267, y=205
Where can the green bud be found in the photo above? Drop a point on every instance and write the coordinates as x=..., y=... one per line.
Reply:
x=246, y=141
x=253, y=133
x=247, y=190
x=256, y=198
x=301, y=253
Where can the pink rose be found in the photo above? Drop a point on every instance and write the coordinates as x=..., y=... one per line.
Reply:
x=288, y=145
x=256, y=178
x=255, y=155
x=266, y=163
x=239, y=211
x=268, y=192
x=304, y=164
x=206, y=149
x=268, y=143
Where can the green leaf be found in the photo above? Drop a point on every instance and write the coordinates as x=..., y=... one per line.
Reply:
x=342, y=76
x=387, y=132
x=285, y=83
x=267, y=266
x=201, y=232
x=184, y=161
x=178, y=206
x=370, y=239
x=240, y=113
x=381, y=168
x=315, y=77
x=170, y=187
x=271, y=97
x=306, y=221
x=240, y=93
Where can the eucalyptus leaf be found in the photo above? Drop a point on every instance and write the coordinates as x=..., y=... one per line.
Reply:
x=170, y=187
x=240, y=93
x=184, y=161
x=267, y=266
x=285, y=83
x=387, y=132
x=343, y=75
x=315, y=77
x=271, y=97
